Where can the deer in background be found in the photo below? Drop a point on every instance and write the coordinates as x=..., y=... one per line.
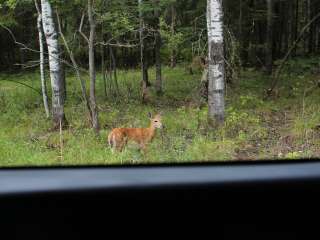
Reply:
x=119, y=137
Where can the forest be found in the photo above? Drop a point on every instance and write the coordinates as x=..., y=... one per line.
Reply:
x=216, y=80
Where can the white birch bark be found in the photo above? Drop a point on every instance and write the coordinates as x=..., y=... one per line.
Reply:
x=51, y=36
x=216, y=75
x=42, y=72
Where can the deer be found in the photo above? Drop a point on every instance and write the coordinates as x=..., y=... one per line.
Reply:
x=119, y=137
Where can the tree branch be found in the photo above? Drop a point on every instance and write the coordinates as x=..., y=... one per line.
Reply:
x=284, y=60
x=80, y=28
x=23, y=84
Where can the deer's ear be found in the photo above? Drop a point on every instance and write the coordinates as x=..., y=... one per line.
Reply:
x=149, y=115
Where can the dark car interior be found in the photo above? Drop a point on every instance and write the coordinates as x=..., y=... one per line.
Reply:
x=255, y=201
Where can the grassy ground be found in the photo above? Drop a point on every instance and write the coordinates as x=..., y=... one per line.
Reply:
x=286, y=127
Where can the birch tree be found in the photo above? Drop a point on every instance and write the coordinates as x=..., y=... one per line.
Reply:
x=216, y=72
x=51, y=36
x=41, y=50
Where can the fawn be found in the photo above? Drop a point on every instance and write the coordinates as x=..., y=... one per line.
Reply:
x=119, y=137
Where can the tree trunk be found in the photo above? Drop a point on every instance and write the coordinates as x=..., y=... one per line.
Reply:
x=306, y=20
x=103, y=51
x=42, y=73
x=269, y=45
x=240, y=22
x=51, y=35
x=64, y=82
x=312, y=30
x=173, y=22
x=92, y=70
x=113, y=70
x=285, y=26
x=144, y=68
x=296, y=25
x=76, y=68
x=158, y=84
x=216, y=63
x=103, y=70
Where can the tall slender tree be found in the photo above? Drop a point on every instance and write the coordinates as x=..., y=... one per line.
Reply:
x=41, y=52
x=173, y=60
x=144, y=68
x=92, y=69
x=158, y=84
x=216, y=73
x=51, y=36
x=269, y=44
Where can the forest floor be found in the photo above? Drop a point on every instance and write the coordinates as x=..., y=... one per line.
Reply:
x=284, y=127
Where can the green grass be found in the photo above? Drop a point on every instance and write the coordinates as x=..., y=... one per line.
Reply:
x=254, y=128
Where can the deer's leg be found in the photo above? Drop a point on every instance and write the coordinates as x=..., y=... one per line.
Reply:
x=143, y=148
x=122, y=144
x=120, y=147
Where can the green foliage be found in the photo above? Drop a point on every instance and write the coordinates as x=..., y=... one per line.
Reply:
x=171, y=40
x=118, y=23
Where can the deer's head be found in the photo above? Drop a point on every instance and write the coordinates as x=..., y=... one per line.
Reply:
x=156, y=121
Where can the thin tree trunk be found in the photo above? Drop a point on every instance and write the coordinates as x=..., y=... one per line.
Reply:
x=42, y=72
x=283, y=61
x=240, y=22
x=296, y=25
x=173, y=23
x=312, y=27
x=114, y=71
x=306, y=20
x=252, y=42
x=309, y=34
x=76, y=68
x=144, y=68
x=216, y=63
x=158, y=84
x=92, y=70
x=285, y=26
x=269, y=54
x=103, y=49
x=290, y=22
x=64, y=82
x=54, y=64
x=103, y=70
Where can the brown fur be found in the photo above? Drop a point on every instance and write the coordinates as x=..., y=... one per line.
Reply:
x=119, y=137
